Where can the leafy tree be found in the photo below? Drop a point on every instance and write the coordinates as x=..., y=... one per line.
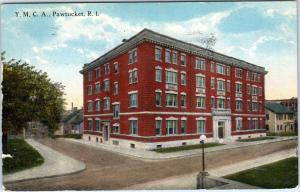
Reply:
x=29, y=95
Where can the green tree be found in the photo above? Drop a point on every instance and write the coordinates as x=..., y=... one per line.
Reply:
x=29, y=95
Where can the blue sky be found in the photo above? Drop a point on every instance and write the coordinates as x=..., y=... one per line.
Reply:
x=263, y=33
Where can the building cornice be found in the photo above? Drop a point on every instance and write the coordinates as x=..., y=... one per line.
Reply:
x=147, y=35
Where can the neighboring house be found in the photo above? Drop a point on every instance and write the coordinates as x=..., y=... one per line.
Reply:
x=36, y=129
x=155, y=91
x=72, y=122
x=279, y=118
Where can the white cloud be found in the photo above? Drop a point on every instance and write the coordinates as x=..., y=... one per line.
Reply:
x=41, y=61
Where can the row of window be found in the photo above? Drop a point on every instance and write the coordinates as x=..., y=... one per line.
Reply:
x=106, y=87
x=106, y=70
x=253, y=123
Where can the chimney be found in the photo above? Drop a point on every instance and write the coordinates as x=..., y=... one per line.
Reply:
x=72, y=106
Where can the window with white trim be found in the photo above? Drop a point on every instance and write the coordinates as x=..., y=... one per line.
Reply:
x=200, y=81
x=171, y=100
x=238, y=105
x=167, y=56
x=212, y=102
x=133, y=124
x=158, y=74
x=228, y=70
x=239, y=123
x=221, y=85
x=97, y=88
x=116, y=68
x=90, y=106
x=200, y=102
x=90, y=75
x=158, y=125
x=172, y=127
x=238, y=88
x=130, y=57
x=97, y=125
x=183, y=126
x=248, y=76
x=260, y=91
x=254, y=106
x=116, y=88
x=248, y=106
x=171, y=77
x=135, y=55
x=133, y=100
x=221, y=103
x=133, y=76
x=254, y=75
x=228, y=86
x=201, y=126
x=258, y=77
x=228, y=103
x=212, y=67
x=97, y=73
x=248, y=89
x=157, y=53
x=90, y=124
x=212, y=83
x=183, y=101
x=174, y=57
x=158, y=99
x=183, y=79
x=220, y=68
x=249, y=124
x=106, y=103
x=106, y=85
x=97, y=105
x=90, y=90
x=116, y=111
x=106, y=69
x=116, y=129
x=238, y=72
x=255, y=123
x=183, y=59
x=200, y=63
x=254, y=90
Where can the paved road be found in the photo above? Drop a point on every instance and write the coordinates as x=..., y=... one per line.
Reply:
x=106, y=170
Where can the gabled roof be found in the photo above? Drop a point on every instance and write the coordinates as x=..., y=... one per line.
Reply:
x=277, y=108
x=74, y=117
x=163, y=40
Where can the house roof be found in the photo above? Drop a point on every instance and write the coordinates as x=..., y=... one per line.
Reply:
x=74, y=117
x=163, y=40
x=277, y=108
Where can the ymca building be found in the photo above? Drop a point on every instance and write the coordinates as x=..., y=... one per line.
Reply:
x=155, y=91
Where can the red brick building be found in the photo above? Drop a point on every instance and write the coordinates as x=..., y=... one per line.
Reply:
x=156, y=91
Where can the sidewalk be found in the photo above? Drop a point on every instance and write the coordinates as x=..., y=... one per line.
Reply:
x=56, y=164
x=152, y=156
x=188, y=181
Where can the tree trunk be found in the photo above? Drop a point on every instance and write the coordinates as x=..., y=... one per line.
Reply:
x=4, y=142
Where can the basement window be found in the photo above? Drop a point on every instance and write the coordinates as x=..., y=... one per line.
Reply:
x=158, y=146
x=132, y=145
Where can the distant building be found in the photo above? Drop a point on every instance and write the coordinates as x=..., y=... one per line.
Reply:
x=279, y=118
x=71, y=123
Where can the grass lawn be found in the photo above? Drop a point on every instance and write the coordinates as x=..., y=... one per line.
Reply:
x=24, y=156
x=281, y=174
x=283, y=134
x=185, y=147
x=255, y=139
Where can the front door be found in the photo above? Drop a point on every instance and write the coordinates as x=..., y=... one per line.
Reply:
x=221, y=128
x=106, y=131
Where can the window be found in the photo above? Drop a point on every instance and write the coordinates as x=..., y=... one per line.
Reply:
x=228, y=103
x=90, y=106
x=212, y=101
x=201, y=126
x=254, y=90
x=97, y=105
x=97, y=73
x=200, y=102
x=172, y=127
x=116, y=68
x=133, y=100
x=258, y=77
x=248, y=89
x=130, y=57
x=183, y=59
x=248, y=75
x=183, y=101
x=249, y=124
x=212, y=83
x=97, y=88
x=183, y=79
x=228, y=70
x=90, y=76
x=200, y=82
x=116, y=129
x=106, y=85
x=220, y=69
x=171, y=77
x=238, y=73
x=238, y=105
x=239, y=123
x=221, y=103
x=116, y=88
x=97, y=125
x=106, y=103
x=116, y=110
x=135, y=56
x=158, y=125
x=228, y=86
x=260, y=91
x=90, y=124
x=171, y=100
x=158, y=75
x=221, y=85
x=168, y=56
x=212, y=67
x=157, y=53
x=238, y=88
x=174, y=57
x=183, y=126
x=158, y=98
x=133, y=127
x=133, y=76
x=254, y=106
x=90, y=90
x=200, y=64
x=106, y=69
x=248, y=106
x=255, y=124
x=254, y=76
